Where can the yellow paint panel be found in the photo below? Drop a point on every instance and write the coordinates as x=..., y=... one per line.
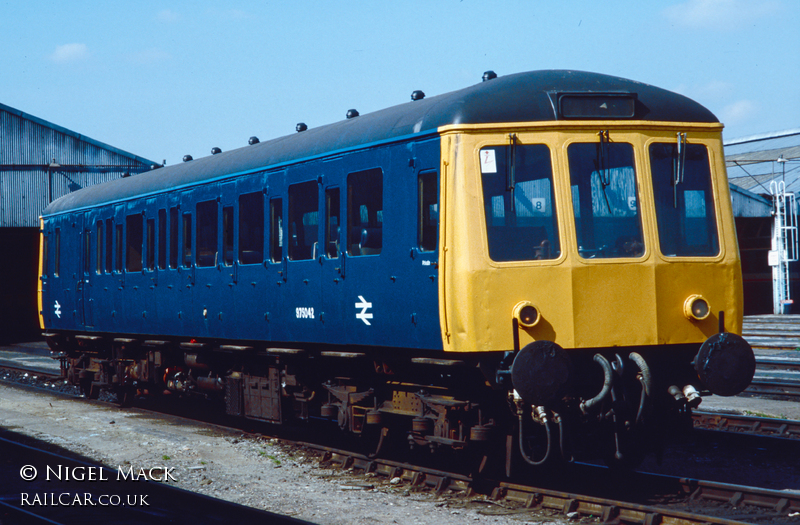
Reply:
x=584, y=303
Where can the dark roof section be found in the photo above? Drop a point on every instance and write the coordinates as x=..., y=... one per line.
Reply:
x=521, y=97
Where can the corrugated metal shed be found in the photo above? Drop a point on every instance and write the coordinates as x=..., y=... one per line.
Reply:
x=748, y=204
x=752, y=162
x=40, y=161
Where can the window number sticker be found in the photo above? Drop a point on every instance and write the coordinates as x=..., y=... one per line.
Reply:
x=488, y=162
x=632, y=203
x=539, y=205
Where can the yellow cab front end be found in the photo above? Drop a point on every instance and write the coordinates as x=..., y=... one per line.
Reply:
x=593, y=235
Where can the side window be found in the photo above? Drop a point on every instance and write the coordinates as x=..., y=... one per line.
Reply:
x=45, y=251
x=87, y=250
x=118, y=248
x=251, y=228
x=428, y=213
x=365, y=212
x=227, y=235
x=519, y=203
x=162, y=239
x=187, y=240
x=303, y=221
x=276, y=230
x=332, y=223
x=151, y=245
x=173, y=237
x=109, y=248
x=135, y=238
x=206, y=233
x=57, y=255
x=99, y=248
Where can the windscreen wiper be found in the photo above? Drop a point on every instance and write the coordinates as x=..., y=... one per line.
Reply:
x=678, y=166
x=601, y=165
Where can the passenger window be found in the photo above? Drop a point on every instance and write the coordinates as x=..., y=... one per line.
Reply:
x=687, y=223
x=173, y=237
x=519, y=203
x=251, y=228
x=332, y=223
x=109, y=248
x=365, y=212
x=428, y=213
x=303, y=221
x=605, y=200
x=135, y=238
x=187, y=240
x=118, y=247
x=57, y=265
x=99, y=248
x=162, y=239
x=87, y=251
x=227, y=235
x=151, y=245
x=276, y=230
x=45, y=252
x=207, y=233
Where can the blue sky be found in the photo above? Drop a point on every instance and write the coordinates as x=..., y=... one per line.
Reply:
x=161, y=79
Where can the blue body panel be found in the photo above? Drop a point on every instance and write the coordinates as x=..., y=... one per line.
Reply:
x=291, y=302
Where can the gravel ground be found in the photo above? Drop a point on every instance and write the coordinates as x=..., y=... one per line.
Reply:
x=249, y=470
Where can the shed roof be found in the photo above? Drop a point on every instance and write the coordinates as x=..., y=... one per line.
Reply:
x=752, y=162
x=74, y=135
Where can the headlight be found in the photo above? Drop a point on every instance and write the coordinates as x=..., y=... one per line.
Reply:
x=696, y=308
x=526, y=314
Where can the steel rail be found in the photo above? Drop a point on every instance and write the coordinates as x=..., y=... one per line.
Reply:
x=533, y=498
x=763, y=387
x=760, y=426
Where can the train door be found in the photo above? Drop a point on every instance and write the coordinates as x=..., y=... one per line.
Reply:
x=301, y=266
x=332, y=256
x=91, y=264
x=247, y=279
x=276, y=311
x=206, y=309
x=369, y=312
x=82, y=234
x=62, y=274
x=137, y=281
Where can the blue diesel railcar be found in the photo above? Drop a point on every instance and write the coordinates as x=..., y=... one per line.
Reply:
x=423, y=268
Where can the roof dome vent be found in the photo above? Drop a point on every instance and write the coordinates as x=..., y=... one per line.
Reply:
x=187, y=158
x=301, y=126
x=489, y=75
x=214, y=151
x=352, y=113
x=417, y=95
x=253, y=140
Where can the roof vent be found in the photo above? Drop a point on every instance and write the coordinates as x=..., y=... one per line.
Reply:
x=253, y=140
x=489, y=75
x=187, y=158
x=155, y=166
x=214, y=151
x=352, y=113
x=417, y=95
x=301, y=126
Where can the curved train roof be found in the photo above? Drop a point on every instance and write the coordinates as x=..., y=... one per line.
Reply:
x=521, y=97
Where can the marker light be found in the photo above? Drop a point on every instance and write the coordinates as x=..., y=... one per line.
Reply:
x=526, y=314
x=696, y=308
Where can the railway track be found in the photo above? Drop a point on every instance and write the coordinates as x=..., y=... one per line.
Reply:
x=687, y=500
x=753, y=425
